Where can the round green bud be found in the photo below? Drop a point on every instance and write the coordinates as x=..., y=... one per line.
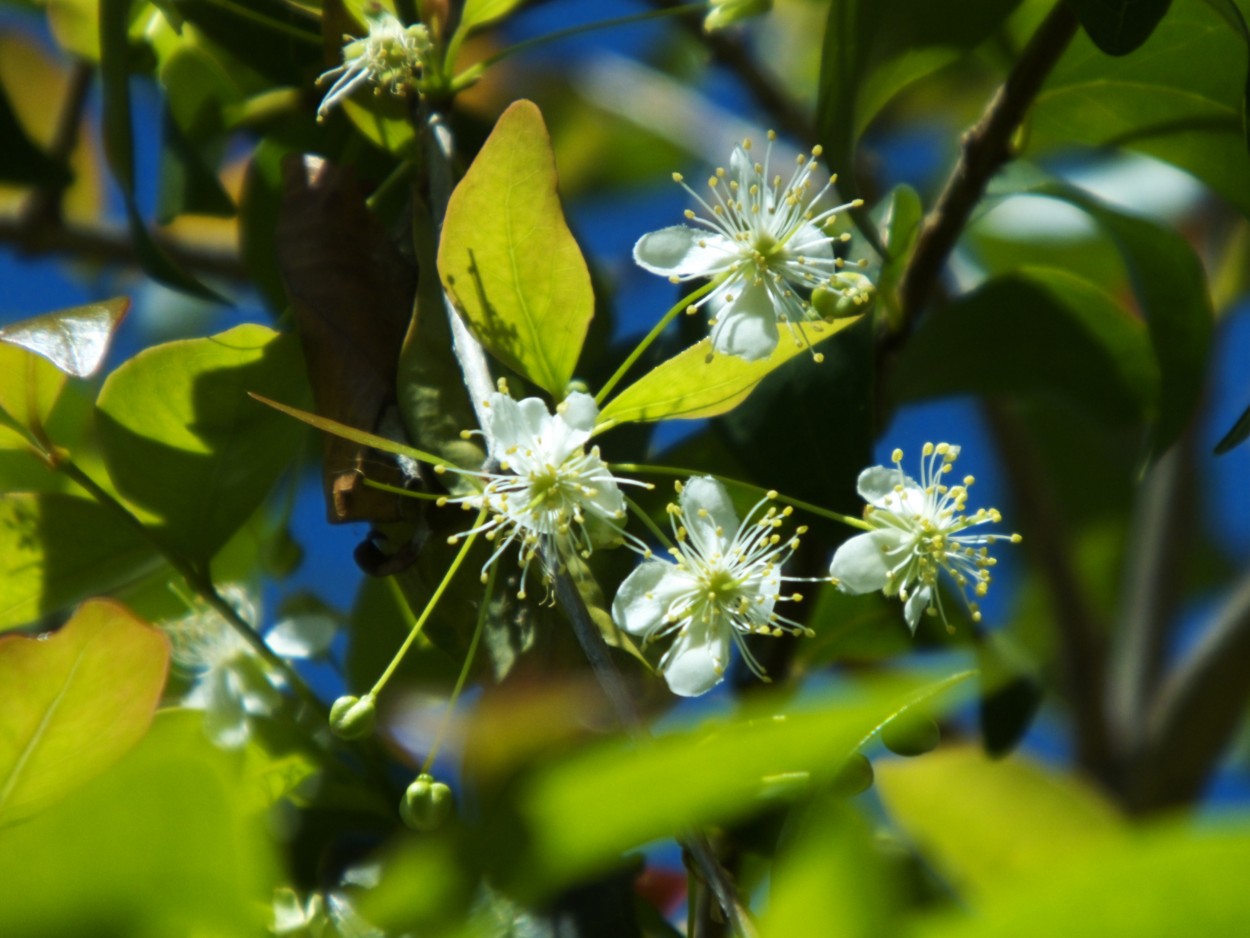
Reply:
x=855, y=776
x=850, y=300
x=353, y=717
x=911, y=734
x=427, y=804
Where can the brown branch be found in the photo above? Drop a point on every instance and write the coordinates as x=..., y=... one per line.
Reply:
x=986, y=147
x=44, y=206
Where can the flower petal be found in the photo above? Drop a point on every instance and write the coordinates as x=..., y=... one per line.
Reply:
x=579, y=411
x=304, y=636
x=861, y=565
x=644, y=597
x=709, y=516
x=747, y=326
x=505, y=427
x=682, y=251
x=697, y=660
x=916, y=604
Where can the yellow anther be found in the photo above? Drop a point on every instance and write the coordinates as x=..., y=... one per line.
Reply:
x=897, y=455
x=817, y=150
x=678, y=177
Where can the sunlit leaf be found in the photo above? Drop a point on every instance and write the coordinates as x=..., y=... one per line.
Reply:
x=164, y=843
x=689, y=385
x=1119, y=26
x=183, y=440
x=75, y=339
x=29, y=387
x=56, y=550
x=64, y=715
x=725, y=770
x=985, y=823
x=478, y=13
x=509, y=260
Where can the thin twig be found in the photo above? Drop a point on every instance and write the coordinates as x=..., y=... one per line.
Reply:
x=986, y=147
x=43, y=209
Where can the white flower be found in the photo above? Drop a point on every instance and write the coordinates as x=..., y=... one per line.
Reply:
x=233, y=683
x=917, y=533
x=765, y=246
x=390, y=56
x=549, y=491
x=725, y=584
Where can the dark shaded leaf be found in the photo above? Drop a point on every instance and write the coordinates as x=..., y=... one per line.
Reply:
x=1119, y=26
x=21, y=161
x=1237, y=433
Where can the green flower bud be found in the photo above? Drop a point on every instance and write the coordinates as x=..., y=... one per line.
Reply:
x=427, y=804
x=849, y=299
x=353, y=717
x=911, y=734
x=726, y=12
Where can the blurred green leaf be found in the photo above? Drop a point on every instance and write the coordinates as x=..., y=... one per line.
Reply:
x=64, y=715
x=695, y=383
x=57, y=549
x=29, y=387
x=162, y=844
x=76, y=26
x=984, y=824
x=478, y=13
x=900, y=226
x=1158, y=884
x=21, y=161
x=1237, y=433
x=1180, y=98
x=873, y=49
x=1011, y=692
x=184, y=441
x=75, y=339
x=1037, y=332
x=508, y=259
x=726, y=771
x=1119, y=26
x=1171, y=286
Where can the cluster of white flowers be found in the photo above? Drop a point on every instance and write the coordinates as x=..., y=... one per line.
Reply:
x=917, y=532
x=723, y=584
x=765, y=245
x=549, y=494
x=389, y=57
x=232, y=683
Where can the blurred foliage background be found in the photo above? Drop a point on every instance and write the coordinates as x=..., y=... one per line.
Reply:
x=1055, y=218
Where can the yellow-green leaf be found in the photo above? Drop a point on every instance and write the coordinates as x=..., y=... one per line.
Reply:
x=480, y=12
x=689, y=385
x=73, y=703
x=508, y=259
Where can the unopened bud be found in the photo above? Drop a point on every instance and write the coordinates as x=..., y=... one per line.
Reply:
x=427, y=804
x=849, y=300
x=353, y=717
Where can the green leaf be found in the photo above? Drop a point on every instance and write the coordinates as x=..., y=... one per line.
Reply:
x=900, y=227
x=1119, y=26
x=1181, y=99
x=1237, y=433
x=478, y=13
x=29, y=387
x=984, y=824
x=873, y=49
x=508, y=259
x=183, y=440
x=56, y=550
x=164, y=843
x=1038, y=332
x=64, y=715
x=21, y=161
x=695, y=383
x=1160, y=884
x=75, y=339
x=726, y=772
x=119, y=149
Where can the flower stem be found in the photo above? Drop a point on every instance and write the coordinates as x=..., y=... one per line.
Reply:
x=853, y=522
x=646, y=520
x=429, y=608
x=682, y=304
x=487, y=595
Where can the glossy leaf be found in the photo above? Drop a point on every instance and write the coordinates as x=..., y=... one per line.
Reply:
x=1064, y=337
x=1179, y=98
x=166, y=842
x=1119, y=26
x=75, y=339
x=183, y=440
x=1158, y=884
x=56, y=550
x=1239, y=432
x=689, y=385
x=508, y=259
x=569, y=833
x=65, y=715
x=873, y=49
x=983, y=823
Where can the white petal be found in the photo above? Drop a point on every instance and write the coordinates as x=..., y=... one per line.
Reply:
x=303, y=636
x=607, y=500
x=697, y=661
x=682, y=251
x=810, y=242
x=645, y=596
x=709, y=515
x=579, y=411
x=917, y=603
x=505, y=427
x=747, y=327
x=861, y=564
